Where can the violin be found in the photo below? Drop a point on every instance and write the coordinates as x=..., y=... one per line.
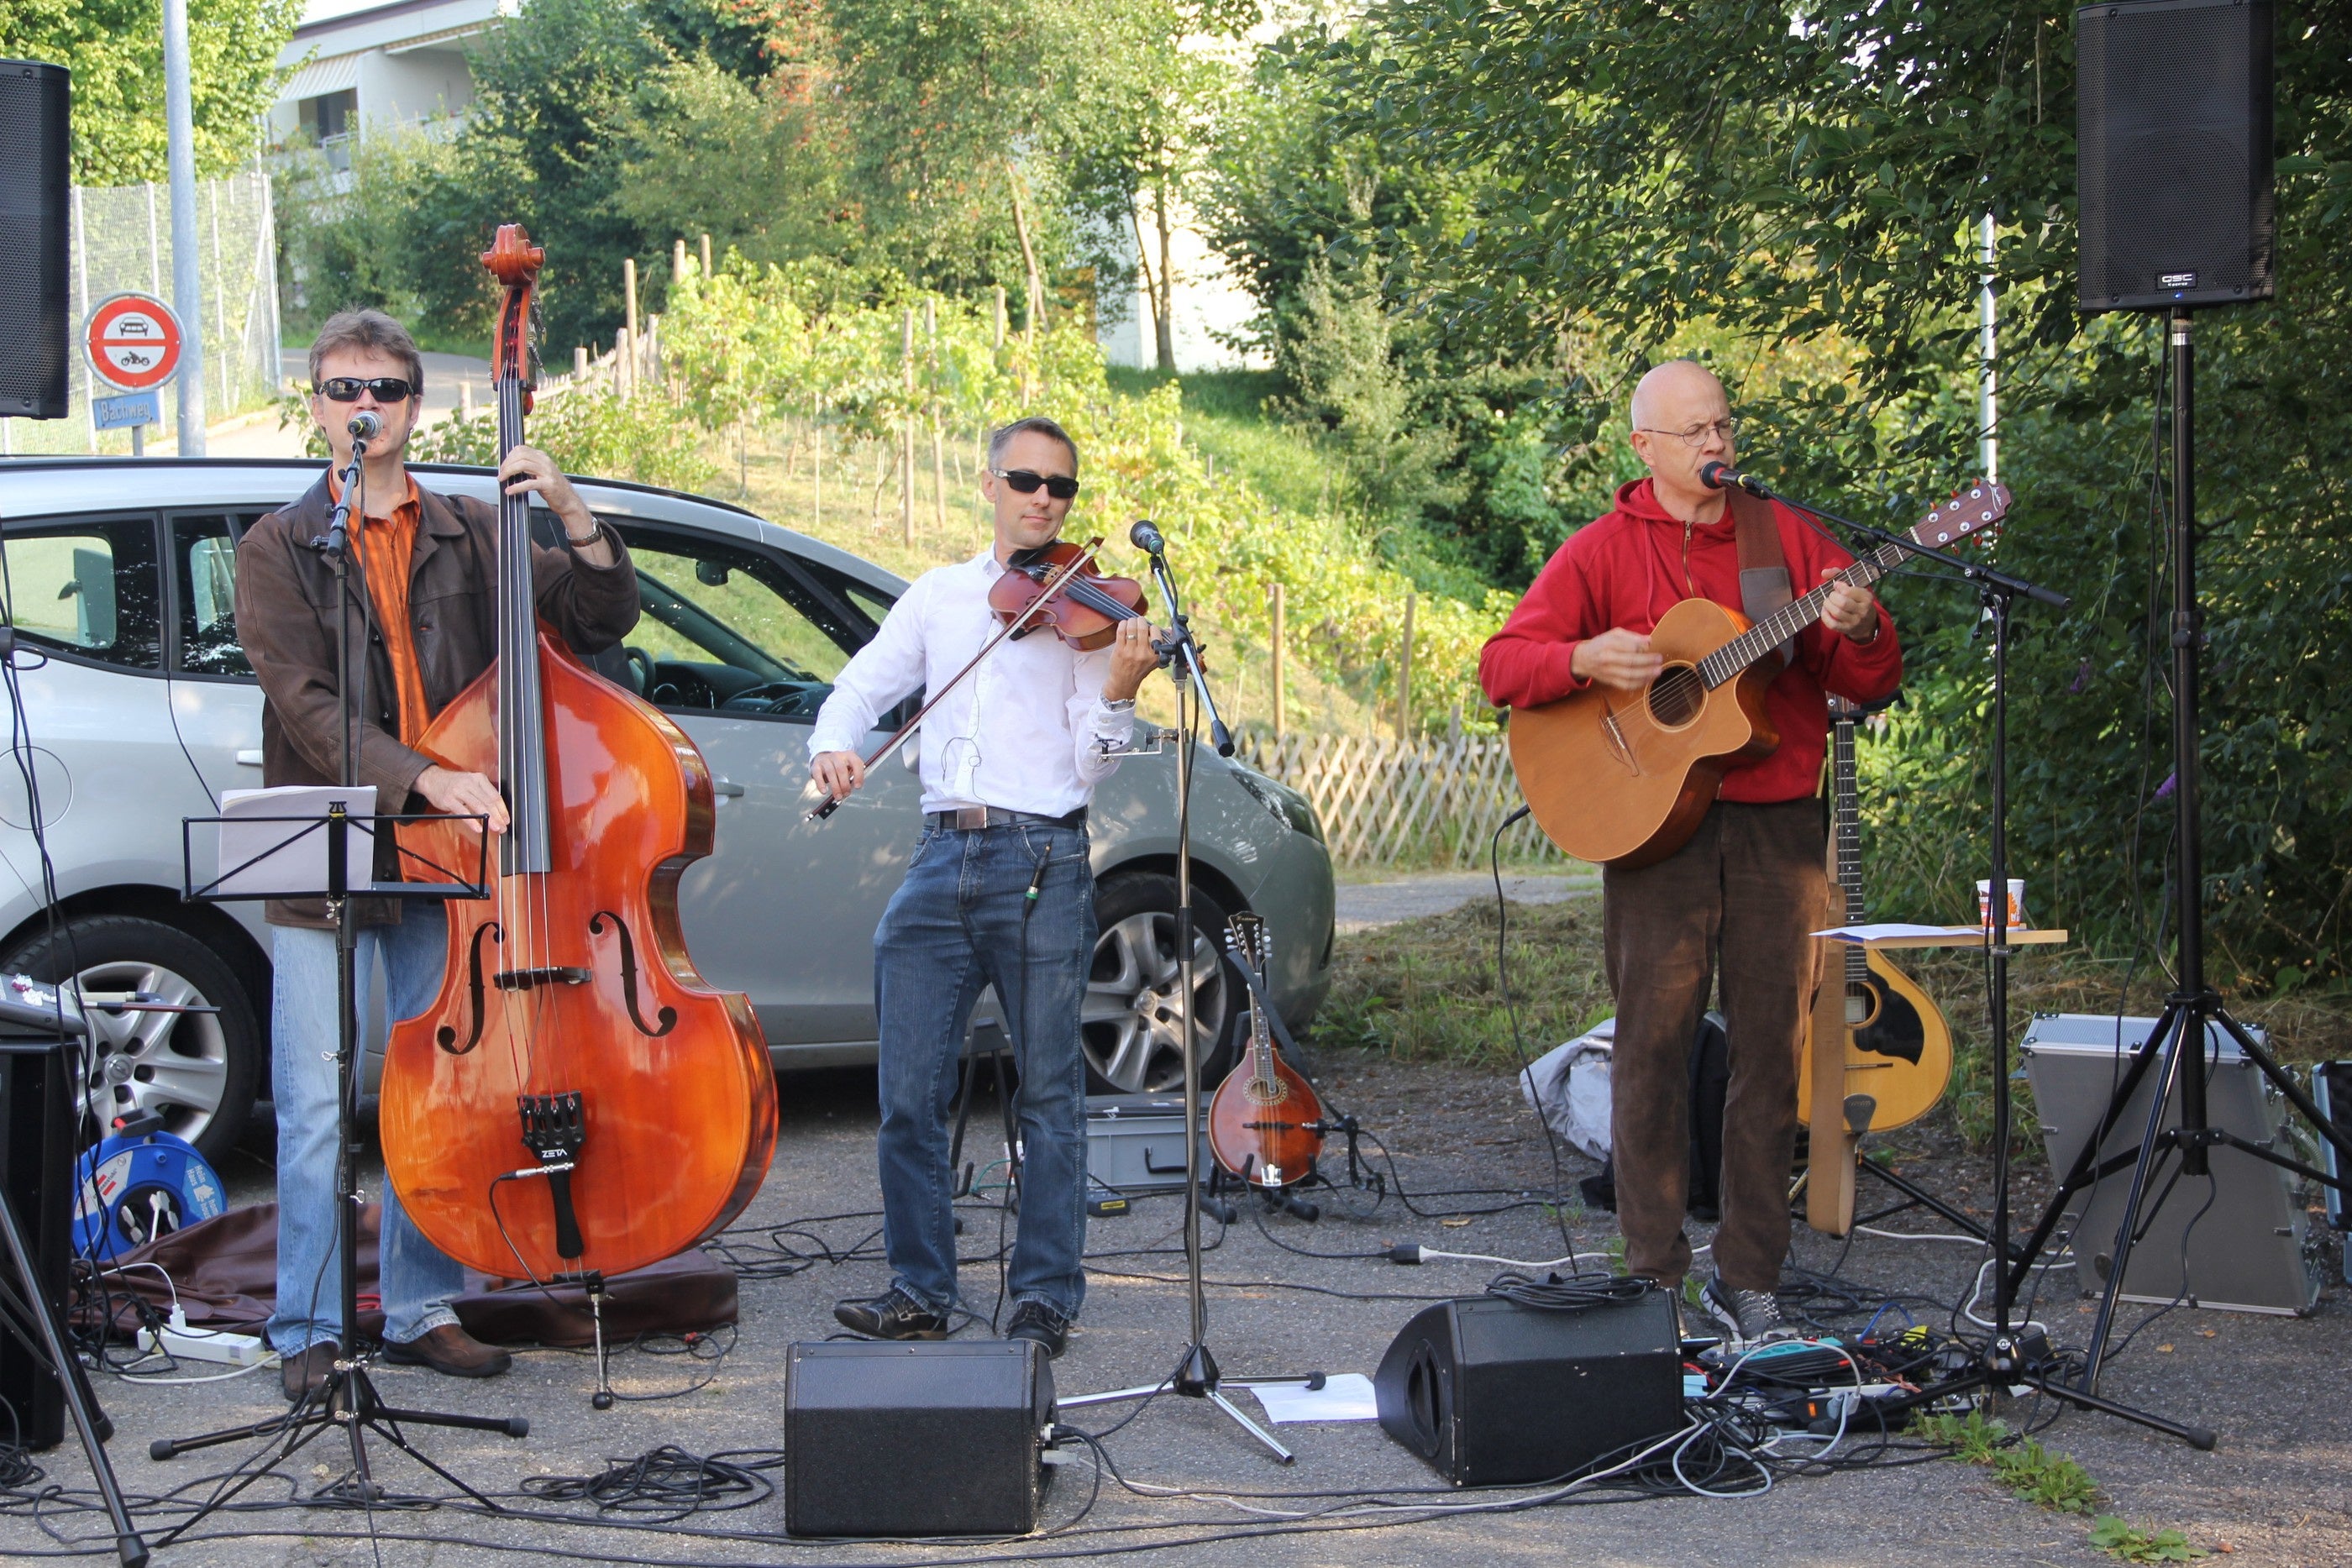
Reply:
x=1265, y=1121
x=1083, y=604
x=577, y=1102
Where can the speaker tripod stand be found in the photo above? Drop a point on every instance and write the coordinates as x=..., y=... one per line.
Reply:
x=2194, y=1017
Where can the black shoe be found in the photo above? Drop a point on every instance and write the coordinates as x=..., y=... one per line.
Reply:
x=894, y=1314
x=304, y=1373
x=1748, y=1317
x=448, y=1350
x=1037, y=1321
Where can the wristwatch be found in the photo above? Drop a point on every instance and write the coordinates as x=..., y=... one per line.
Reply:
x=588, y=538
x=1119, y=705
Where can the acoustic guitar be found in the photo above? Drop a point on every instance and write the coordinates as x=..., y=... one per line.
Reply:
x=1898, y=1049
x=1265, y=1122
x=1622, y=778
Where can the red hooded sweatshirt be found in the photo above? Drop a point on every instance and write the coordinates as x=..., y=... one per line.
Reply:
x=1628, y=568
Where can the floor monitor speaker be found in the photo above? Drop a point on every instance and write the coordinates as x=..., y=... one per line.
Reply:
x=2173, y=156
x=1493, y=1393
x=922, y=1438
x=36, y=197
x=37, y=1161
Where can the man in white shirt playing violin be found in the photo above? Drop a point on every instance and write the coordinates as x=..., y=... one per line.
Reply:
x=998, y=892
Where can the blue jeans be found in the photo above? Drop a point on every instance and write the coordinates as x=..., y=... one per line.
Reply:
x=956, y=923
x=416, y=1279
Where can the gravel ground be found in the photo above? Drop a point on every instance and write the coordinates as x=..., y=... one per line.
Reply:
x=2276, y=1492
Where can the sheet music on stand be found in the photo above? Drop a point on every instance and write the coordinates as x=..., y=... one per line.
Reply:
x=272, y=843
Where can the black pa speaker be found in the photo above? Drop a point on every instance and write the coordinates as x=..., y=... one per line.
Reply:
x=36, y=1163
x=35, y=196
x=2173, y=154
x=921, y=1438
x=1494, y=1394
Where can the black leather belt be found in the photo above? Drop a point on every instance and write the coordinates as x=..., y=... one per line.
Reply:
x=971, y=818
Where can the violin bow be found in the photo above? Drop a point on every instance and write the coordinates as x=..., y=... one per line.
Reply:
x=1054, y=585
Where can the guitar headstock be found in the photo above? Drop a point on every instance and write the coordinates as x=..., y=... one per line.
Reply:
x=515, y=262
x=1975, y=509
x=1245, y=935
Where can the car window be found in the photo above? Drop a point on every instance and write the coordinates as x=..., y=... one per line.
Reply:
x=87, y=586
x=727, y=627
x=204, y=562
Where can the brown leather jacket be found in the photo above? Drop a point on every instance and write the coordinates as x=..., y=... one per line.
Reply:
x=285, y=617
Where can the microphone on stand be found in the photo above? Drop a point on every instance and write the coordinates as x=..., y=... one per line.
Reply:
x=365, y=425
x=1721, y=476
x=1146, y=537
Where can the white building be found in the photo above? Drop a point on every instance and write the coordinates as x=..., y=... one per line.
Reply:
x=1211, y=309
x=360, y=66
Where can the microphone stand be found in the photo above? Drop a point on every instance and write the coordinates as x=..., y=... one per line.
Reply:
x=2017, y=1355
x=1196, y=1376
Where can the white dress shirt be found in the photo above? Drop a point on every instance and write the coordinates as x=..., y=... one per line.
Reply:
x=1027, y=731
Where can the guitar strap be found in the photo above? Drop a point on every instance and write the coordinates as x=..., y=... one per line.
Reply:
x=1763, y=571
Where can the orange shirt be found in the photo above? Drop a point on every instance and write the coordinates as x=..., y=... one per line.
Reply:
x=385, y=547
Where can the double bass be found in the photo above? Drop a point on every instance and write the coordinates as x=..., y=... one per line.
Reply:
x=571, y=1028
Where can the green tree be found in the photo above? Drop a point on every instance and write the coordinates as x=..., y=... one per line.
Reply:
x=115, y=50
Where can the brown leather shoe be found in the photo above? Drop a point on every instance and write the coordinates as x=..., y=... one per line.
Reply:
x=451, y=1350
x=304, y=1373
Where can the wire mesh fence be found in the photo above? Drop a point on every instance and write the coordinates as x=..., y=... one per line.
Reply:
x=121, y=241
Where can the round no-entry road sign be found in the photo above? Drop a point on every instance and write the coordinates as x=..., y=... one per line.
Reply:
x=133, y=342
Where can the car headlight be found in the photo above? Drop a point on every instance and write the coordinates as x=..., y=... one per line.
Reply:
x=1289, y=806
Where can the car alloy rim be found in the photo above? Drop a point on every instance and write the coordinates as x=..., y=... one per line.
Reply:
x=175, y=1064
x=1128, y=1021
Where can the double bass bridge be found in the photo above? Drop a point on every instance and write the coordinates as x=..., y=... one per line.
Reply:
x=533, y=979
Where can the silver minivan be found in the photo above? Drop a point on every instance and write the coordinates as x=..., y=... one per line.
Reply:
x=131, y=708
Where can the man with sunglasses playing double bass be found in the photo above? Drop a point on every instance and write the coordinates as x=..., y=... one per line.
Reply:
x=424, y=572
x=998, y=892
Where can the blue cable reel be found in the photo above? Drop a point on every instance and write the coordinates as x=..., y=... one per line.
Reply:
x=137, y=1184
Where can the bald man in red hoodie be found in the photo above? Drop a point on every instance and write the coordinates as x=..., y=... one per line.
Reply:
x=1737, y=901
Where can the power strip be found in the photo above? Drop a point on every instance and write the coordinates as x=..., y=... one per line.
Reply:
x=185, y=1343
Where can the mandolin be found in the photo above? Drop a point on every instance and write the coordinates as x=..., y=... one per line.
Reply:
x=1266, y=1124
x=1898, y=1049
x=1622, y=778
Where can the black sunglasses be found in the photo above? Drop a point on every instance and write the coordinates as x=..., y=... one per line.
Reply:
x=387, y=388
x=1061, y=486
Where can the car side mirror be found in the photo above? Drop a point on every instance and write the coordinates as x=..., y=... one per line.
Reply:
x=710, y=573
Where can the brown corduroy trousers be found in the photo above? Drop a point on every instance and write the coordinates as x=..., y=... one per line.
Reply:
x=1739, y=901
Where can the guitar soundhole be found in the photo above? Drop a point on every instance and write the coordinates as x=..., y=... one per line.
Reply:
x=1273, y=1093
x=1676, y=697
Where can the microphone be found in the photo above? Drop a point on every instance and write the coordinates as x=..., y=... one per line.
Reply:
x=1721, y=476
x=1146, y=537
x=365, y=425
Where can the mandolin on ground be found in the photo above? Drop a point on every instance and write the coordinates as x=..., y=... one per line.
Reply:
x=1265, y=1122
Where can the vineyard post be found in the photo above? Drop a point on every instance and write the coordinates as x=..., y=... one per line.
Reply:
x=1274, y=594
x=907, y=429
x=677, y=261
x=1404, y=674
x=625, y=362
x=931, y=400
x=705, y=255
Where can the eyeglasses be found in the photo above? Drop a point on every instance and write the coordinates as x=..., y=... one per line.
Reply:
x=1696, y=434
x=1061, y=486
x=387, y=388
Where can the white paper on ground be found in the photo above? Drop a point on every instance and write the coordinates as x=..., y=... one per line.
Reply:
x=1344, y=1396
x=1892, y=928
x=285, y=858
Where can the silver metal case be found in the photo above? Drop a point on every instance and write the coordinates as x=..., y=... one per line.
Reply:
x=2247, y=1251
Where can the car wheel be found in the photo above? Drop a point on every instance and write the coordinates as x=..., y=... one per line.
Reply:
x=196, y=1070
x=1129, y=1023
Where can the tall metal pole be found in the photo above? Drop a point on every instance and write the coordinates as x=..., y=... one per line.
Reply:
x=1988, y=344
x=2187, y=632
x=187, y=279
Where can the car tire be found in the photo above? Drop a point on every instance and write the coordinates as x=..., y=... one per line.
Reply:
x=198, y=1070
x=1127, y=1048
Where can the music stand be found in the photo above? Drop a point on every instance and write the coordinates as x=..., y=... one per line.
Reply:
x=26, y=1310
x=348, y=1398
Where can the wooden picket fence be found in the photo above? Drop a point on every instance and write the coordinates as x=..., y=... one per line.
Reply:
x=1433, y=803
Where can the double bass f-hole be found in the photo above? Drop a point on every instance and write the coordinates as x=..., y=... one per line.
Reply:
x=446, y=1037
x=669, y=1016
